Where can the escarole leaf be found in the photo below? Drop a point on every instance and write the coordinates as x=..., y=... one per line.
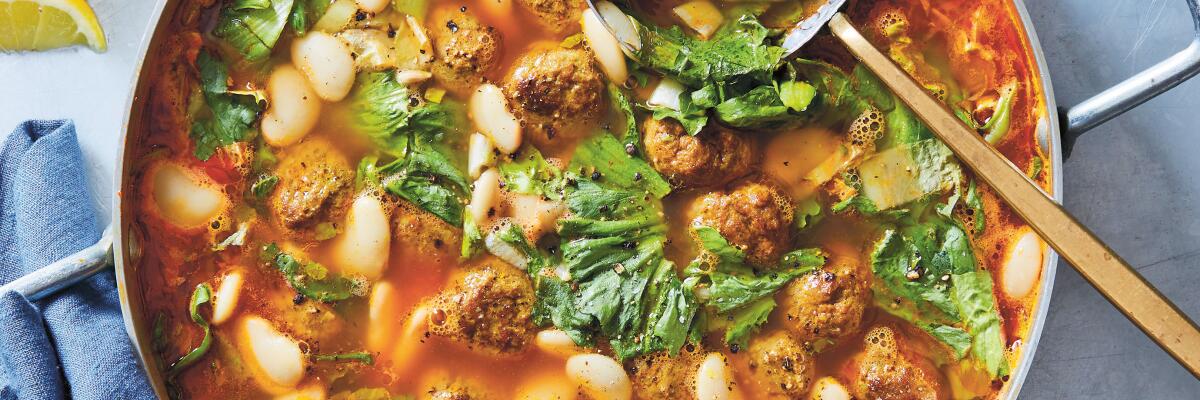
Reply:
x=926, y=273
x=733, y=74
x=200, y=296
x=527, y=172
x=614, y=281
x=735, y=292
x=311, y=279
x=219, y=118
x=905, y=173
x=738, y=49
x=251, y=29
x=416, y=137
x=305, y=13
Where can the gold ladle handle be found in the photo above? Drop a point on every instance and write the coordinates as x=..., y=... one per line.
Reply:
x=1116, y=280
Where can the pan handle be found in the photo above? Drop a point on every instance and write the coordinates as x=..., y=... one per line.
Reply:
x=65, y=272
x=1136, y=90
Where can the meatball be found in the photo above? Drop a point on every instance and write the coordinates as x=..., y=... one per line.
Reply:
x=780, y=365
x=713, y=157
x=489, y=309
x=887, y=370
x=465, y=49
x=426, y=236
x=753, y=215
x=555, y=92
x=557, y=16
x=825, y=304
x=313, y=177
x=662, y=376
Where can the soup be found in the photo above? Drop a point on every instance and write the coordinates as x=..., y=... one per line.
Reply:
x=380, y=199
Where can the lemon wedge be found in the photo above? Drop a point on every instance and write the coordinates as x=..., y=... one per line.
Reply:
x=48, y=24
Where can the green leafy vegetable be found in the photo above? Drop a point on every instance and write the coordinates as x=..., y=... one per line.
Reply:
x=527, y=172
x=929, y=266
x=359, y=356
x=629, y=131
x=220, y=118
x=973, y=296
x=201, y=295
x=735, y=292
x=305, y=13
x=745, y=321
x=620, y=285
x=797, y=95
x=416, y=135
x=252, y=30
x=902, y=174
x=738, y=50
x=996, y=128
x=604, y=157
x=311, y=279
x=1036, y=167
x=264, y=185
x=975, y=204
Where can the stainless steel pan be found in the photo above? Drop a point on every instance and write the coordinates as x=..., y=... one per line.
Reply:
x=120, y=247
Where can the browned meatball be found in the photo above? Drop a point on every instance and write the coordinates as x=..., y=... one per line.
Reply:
x=825, y=304
x=556, y=93
x=557, y=16
x=465, y=49
x=426, y=236
x=661, y=376
x=713, y=157
x=754, y=215
x=313, y=177
x=780, y=365
x=886, y=369
x=489, y=309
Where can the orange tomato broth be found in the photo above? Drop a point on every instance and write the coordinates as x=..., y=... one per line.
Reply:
x=173, y=264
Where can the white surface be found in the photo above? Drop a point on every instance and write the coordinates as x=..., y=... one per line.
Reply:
x=79, y=84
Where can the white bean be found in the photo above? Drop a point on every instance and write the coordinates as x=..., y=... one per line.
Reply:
x=599, y=376
x=381, y=315
x=556, y=342
x=276, y=358
x=225, y=300
x=535, y=215
x=184, y=197
x=363, y=246
x=714, y=381
x=485, y=197
x=372, y=6
x=1023, y=266
x=326, y=62
x=294, y=107
x=408, y=344
x=605, y=47
x=828, y=388
x=489, y=111
x=479, y=154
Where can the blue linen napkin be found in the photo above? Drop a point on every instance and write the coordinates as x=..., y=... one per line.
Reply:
x=71, y=344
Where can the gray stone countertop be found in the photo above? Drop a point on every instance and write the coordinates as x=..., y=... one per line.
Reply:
x=1134, y=180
